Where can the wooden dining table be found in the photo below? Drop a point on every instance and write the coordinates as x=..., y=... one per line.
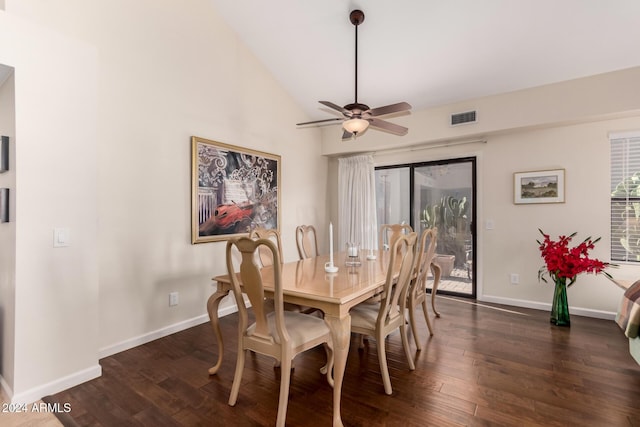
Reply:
x=306, y=283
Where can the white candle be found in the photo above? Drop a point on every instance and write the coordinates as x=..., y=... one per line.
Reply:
x=372, y=240
x=331, y=244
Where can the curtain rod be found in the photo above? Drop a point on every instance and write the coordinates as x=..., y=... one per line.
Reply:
x=429, y=146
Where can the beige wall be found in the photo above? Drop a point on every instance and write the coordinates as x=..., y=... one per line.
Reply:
x=565, y=126
x=166, y=71
x=583, y=100
x=55, y=290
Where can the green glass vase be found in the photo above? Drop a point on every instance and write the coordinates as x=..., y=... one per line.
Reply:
x=560, y=306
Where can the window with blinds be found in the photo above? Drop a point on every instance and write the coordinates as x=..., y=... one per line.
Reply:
x=625, y=197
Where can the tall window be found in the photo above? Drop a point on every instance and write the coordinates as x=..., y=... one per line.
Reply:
x=625, y=197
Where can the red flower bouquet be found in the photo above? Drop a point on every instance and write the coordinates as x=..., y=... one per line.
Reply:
x=563, y=262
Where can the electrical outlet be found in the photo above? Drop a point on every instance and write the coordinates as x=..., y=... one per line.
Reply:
x=515, y=278
x=173, y=299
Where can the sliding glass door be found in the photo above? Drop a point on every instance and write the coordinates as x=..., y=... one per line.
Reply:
x=435, y=194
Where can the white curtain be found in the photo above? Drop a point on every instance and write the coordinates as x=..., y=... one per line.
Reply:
x=357, y=222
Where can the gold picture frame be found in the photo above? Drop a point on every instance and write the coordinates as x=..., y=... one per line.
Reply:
x=233, y=190
x=546, y=186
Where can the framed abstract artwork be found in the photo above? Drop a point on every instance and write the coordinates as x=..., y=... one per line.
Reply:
x=233, y=190
x=4, y=154
x=4, y=205
x=538, y=187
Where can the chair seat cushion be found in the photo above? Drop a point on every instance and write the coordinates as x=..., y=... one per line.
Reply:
x=301, y=327
x=364, y=316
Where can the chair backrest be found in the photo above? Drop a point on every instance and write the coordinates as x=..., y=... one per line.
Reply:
x=424, y=256
x=252, y=275
x=399, y=274
x=390, y=232
x=307, y=241
x=264, y=255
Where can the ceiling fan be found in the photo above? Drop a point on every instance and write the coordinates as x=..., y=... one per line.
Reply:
x=358, y=117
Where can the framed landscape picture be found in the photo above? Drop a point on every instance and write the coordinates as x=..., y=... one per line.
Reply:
x=233, y=190
x=539, y=186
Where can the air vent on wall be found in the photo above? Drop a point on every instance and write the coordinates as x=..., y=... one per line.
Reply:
x=463, y=118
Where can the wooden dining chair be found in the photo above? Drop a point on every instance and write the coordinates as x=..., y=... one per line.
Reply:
x=390, y=232
x=418, y=286
x=266, y=259
x=264, y=255
x=380, y=320
x=307, y=241
x=280, y=334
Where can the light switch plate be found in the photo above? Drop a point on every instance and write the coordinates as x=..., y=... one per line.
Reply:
x=61, y=237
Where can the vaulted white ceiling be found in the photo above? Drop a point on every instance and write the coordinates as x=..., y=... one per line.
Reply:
x=432, y=52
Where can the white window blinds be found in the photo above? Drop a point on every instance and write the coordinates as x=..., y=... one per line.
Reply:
x=625, y=197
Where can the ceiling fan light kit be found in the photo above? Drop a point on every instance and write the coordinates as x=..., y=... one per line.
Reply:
x=358, y=117
x=355, y=126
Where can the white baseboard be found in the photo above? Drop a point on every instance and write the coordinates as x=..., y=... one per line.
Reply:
x=163, y=332
x=5, y=387
x=37, y=393
x=578, y=311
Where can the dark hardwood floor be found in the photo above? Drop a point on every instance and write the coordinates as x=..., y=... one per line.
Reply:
x=485, y=365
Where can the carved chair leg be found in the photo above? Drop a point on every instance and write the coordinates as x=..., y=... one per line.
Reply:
x=384, y=369
x=426, y=316
x=237, y=377
x=285, y=378
x=435, y=269
x=412, y=322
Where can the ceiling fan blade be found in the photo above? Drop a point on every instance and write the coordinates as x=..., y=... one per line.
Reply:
x=388, y=109
x=325, y=121
x=335, y=107
x=388, y=126
x=346, y=135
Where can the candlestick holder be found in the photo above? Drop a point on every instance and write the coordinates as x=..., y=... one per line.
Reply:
x=330, y=268
x=371, y=256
